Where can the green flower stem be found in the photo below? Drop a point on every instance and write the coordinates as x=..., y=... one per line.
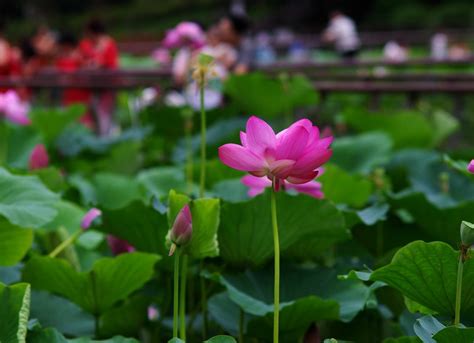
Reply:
x=176, y=295
x=276, y=296
x=241, y=326
x=203, y=303
x=202, y=187
x=189, y=153
x=202, y=181
x=457, y=313
x=63, y=245
x=182, y=298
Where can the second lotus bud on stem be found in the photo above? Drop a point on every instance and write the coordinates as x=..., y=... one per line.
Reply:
x=182, y=229
x=467, y=234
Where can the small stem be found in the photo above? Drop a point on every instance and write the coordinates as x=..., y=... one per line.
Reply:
x=457, y=313
x=96, y=326
x=203, y=303
x=182, y=298
x=176, y=295
x=276, y=301
x=241, y=326
x=202, y=187
x=189, y=153
x=202, y=181
x=379, y=232
x=64, y=244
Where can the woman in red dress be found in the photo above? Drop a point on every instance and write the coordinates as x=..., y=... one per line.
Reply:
x=70, y=60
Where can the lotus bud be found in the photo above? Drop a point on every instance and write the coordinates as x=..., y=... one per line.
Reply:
x=89, y=217
x=467, y=233
x=153, y=313
x=182, y=229
x=39, y=157
x=470, y=167
x=119, y=246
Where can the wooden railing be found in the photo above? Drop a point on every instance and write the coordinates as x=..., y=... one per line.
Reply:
x=312, y=40
x=322, y=76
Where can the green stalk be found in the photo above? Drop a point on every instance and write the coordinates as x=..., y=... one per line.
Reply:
x=63, y=245
x=182, y=298
x=203, y=303
x=457, y=313
x=241, y=326
x=189, y=153
x=276, y=294
x=202, y=181
x=202, y=186
x=176, y=295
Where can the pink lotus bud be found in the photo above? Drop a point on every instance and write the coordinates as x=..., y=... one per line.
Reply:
x=153, y=313
x=470, y=167
x=89, y=217
x=119, y=246
x=182, y=229
x=39, y=157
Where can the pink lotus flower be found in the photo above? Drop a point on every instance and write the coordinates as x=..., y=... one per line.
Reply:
x=257, y=186
x=291, y=156
x=39, y=158
x=119, y=246
x=184, y=34
x=89, y=217
x=470, y=167
x=14, y=109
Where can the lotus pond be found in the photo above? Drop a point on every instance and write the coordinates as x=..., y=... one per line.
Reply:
x=367, y=208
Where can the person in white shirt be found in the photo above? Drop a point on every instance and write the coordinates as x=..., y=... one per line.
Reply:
x=343, y=33
x=439, y=46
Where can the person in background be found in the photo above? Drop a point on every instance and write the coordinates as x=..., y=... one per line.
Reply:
x=459, y=51
x=99, y=51
x=69, y=60
x=10, y=58
x=395, y=52
x=98, y=48
x=231, y=30
x=439, y=46
x=343, y=33
x=44, y=43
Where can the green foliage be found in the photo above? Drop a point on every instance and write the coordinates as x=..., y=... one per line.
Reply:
x=337, y=181
x=423, y=131
x=54, y=311
x=51, y=122
x=221, y=339
x=259, y=94
x=96, y=291
x=421, y=266
x=141, y=226
x=25, y=201
x=14, y=243
x=14, y=312
x=362, y=153
x=245, y=235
